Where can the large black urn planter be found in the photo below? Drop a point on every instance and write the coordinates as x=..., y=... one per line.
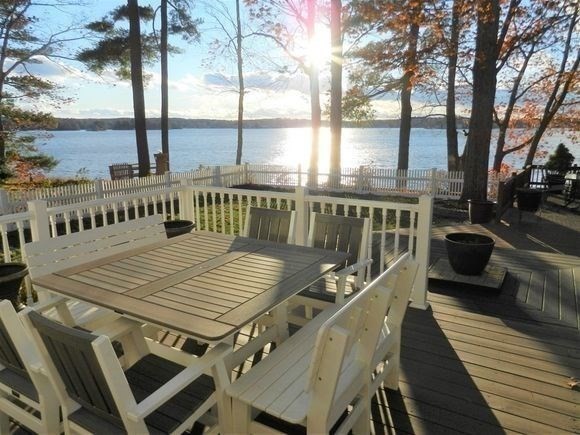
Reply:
x=11, y=277
x=468, y=253
x=178, y=227
x=480, y=212
x=529, y=199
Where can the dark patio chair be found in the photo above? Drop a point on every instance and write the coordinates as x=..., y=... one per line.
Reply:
x=270, y=224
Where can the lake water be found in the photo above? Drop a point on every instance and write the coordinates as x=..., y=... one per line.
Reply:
x=93, y=151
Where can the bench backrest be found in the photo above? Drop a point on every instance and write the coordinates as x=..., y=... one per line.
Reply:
x=270, y=224
x=121, y=171
x=347, y=341
x=70, y=250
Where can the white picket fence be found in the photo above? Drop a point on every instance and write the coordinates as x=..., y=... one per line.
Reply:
x=223, y=210
x=362, y=180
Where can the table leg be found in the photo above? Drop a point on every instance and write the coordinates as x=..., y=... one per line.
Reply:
x=280, y=315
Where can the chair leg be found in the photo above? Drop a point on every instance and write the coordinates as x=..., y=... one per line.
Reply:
x=4, y=424
x=393, y=366
x=362, y=425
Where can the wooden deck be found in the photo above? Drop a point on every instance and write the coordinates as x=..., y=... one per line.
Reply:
x=479, y=361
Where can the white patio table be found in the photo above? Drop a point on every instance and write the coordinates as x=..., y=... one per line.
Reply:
x=204, y=285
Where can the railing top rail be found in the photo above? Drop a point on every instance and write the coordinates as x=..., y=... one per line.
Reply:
x=363, y=202
x=246, y=192
x=115, y=199
x=15, y=217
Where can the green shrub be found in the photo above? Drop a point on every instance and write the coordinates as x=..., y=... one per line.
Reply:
x=560, y=160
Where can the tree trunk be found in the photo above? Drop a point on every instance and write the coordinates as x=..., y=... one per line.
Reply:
x=314, y=99
x=164, y=84
x=137, y=87
x=476, y=156
x=335, y=88
x=240, y=83
x=453, y=163
x=406, y=89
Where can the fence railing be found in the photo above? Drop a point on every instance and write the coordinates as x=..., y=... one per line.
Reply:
x=223, y=210
x=507, y=190
x=361, y=180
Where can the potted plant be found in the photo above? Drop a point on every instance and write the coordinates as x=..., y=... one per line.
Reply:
x=557, y=165
x=468, y=253
x=11, y=277
x=480, y=212
x=529, y=199
x=178, y=227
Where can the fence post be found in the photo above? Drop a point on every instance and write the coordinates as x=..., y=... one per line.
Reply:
x=434, y=184
x=167, y=179
x=186, y=203
x=99, y=189
x=299, y=175
x=359, y=178
x=39, y=221
x=246, y=174
x=423, y=249
x=4, y=202
x=301, y=215
x=217, y=176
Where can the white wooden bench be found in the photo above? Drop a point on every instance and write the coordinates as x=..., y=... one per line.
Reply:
x=338, y=359
x=71, y=250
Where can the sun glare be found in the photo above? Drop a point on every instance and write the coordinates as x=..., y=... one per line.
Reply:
x=298, y=145
x=319, y=47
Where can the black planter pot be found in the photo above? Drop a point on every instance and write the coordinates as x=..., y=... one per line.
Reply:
x=480, y=212
x=468, y=253
x=529, y=199
x=178, y=227
x=11, y=277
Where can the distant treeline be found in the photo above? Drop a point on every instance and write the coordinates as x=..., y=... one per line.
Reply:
x=96, y=124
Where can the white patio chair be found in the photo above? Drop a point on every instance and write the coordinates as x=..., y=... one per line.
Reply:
x=52, y=255
x=162, y=390
x=270, y=224
x=333, y=363
x=26, y=394
x=338, y=233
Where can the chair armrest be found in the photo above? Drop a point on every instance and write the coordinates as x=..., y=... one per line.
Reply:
x=118, y=328
x=46, y=305
x=180, y=381
x=353, y=268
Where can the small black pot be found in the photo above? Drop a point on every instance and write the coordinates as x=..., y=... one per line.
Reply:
x=529, y=199
x=468, y=253
x=480, y=212
x=11, y=277
x=178, y=227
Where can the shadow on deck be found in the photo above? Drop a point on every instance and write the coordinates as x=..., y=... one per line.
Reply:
x=484, y=361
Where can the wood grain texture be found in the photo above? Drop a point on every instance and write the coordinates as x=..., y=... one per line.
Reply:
x=204, y=285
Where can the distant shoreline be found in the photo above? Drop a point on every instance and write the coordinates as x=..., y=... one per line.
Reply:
x=101, y=124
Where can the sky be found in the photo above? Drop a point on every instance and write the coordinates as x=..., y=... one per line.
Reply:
x=198, y=88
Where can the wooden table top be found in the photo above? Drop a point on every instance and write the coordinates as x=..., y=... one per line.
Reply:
x=203, y=284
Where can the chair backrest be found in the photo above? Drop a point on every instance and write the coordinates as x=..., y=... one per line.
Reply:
x=10, y=326
x=121, y=171
x=347, y=341
x=270, y=224
x=61, y=252
x=74, y=366
x=340, y=233
x=18, y=356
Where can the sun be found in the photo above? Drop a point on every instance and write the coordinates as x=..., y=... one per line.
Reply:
x=318, y=50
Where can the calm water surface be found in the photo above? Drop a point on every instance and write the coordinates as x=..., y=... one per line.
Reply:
x=93, y=151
